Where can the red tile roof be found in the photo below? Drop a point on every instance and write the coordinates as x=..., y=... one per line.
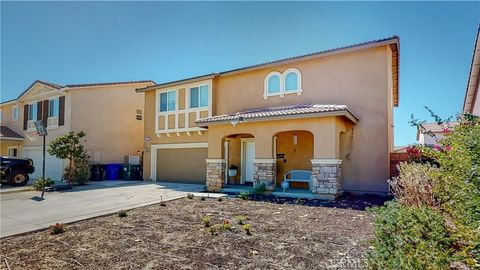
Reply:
x=277, y=112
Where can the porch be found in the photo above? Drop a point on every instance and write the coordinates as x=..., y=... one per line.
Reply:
x=246, y=153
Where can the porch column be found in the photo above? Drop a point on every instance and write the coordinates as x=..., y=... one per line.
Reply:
x=215, y=174
x=265, y=171
x=326, y=175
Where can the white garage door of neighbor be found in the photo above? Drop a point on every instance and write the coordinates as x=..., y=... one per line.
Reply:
x=53, y=165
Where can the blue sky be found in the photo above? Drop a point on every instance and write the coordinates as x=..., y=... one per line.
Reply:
x=84, y=42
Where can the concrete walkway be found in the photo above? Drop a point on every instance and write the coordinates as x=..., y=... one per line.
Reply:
x=20, y=213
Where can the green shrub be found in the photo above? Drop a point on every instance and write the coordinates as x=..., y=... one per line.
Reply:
x=457, y=183
x=240, y=220
x=207, y=221
x=213, y=230
x=190, y=196
x=244, y=195
x=259, y=189
x=58, y=228
x=122, y=213
x=226, y=225
x=41, y=183
x=202, y=199
x=408, y=238
x=246, y=228
x=220, y=199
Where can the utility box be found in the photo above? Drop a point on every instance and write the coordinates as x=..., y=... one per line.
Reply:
x=132, y=160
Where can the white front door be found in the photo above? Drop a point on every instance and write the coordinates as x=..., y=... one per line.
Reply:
x=249, y=156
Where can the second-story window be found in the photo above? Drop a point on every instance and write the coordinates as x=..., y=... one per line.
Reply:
x=53, y=108
x=15, y=113
x=273, y=83
x=32, y=112
x=167, y=101
x=199, y=96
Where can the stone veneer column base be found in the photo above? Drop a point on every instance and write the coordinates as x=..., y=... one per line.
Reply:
x=265, y=172
x=215, y=174
x=326, y=175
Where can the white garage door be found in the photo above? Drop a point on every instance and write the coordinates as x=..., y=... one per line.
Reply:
x=53, y=165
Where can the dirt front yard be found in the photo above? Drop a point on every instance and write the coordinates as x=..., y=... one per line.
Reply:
x=283, y=236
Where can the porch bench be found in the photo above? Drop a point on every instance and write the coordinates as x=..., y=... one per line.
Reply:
x=302, y=176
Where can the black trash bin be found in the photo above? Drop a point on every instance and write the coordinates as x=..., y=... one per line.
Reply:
x=126, y=172
x=96, y=172
x=136, y=172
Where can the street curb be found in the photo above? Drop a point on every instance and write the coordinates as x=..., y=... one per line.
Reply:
x=16, y=190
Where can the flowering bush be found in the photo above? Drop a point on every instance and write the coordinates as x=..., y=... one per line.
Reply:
x=450, y=189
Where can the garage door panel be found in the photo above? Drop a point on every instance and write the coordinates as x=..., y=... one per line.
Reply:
x=185, y=165
x=53, y=165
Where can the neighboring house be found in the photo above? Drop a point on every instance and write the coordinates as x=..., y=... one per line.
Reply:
x=111, y=115
x=433, y=132
x=329, y=112
x=472, y=97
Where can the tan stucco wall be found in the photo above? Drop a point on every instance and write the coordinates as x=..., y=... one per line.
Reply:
x=7, y=143
x=360, y=79
x=296, y=157
x=107, y=115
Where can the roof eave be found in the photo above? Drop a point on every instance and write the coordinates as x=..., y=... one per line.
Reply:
x=175, y=83
x=473, y=78
x=12, y=138
x=383, y=42
x=346, y=113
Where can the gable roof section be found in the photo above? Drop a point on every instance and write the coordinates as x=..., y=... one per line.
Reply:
x=393, y=42
x=6, y=133
x=473, y=78
x=73, y=86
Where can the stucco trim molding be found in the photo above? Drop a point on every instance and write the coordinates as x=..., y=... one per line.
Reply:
x=264, y=160
x=179, y=145
x=326, y=161
x=215, y=160
x=12, y=139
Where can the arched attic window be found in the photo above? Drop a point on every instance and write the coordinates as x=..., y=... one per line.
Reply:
x=273, y=84
x=293, y=80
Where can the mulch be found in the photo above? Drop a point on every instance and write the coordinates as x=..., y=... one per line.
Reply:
x=284, y=235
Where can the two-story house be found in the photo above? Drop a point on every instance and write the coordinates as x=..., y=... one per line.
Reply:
x=471, y=102
x=111, y=115
x=329, y=112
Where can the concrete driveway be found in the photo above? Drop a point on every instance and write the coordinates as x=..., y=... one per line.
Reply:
x=20, y=213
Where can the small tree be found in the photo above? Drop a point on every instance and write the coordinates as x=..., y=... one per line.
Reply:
x=69, y=147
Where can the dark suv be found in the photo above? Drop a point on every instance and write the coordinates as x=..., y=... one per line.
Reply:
x=14, y=171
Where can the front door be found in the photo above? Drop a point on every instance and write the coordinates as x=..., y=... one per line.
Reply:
x=248, y=157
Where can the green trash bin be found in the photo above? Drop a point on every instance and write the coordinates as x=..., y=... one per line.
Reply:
x=126, y=172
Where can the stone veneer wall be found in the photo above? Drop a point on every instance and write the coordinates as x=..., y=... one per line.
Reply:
x=265, y=171
x=215, y=174
x=326, y=176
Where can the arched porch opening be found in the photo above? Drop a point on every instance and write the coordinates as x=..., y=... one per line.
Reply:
x=293, y=150
x=238, y=151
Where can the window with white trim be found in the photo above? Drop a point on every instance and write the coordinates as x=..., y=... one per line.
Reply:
x=279, y=84
x=199, y=96
x=167, y=101
x=32, y=112
x=53, y=107
x=15, y=113
x=291, y=81
x=273, y=81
